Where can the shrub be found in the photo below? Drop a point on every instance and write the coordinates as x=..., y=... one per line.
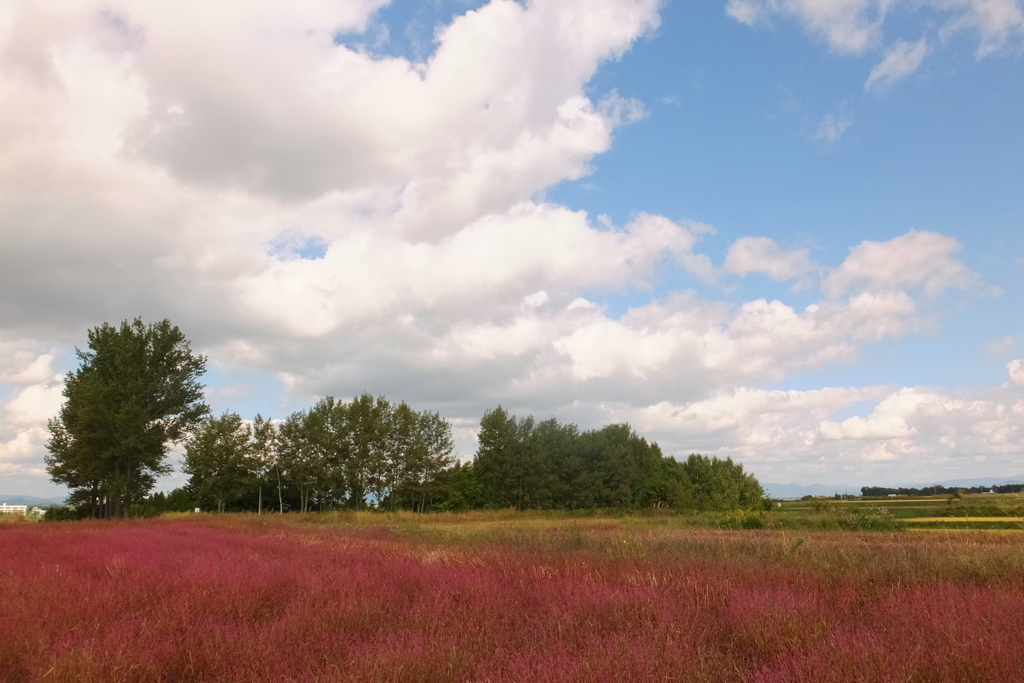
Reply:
x=62, y=513
x=870, y=519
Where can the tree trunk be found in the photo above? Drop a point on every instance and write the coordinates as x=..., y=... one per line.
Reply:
x=128, y=490
x=280, y=499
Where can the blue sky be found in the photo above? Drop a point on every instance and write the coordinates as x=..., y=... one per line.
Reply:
x=785, y=232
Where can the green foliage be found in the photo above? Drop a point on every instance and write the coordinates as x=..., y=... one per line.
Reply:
x=221, y=460
x=820, y=505
x=135, y=394
x=937, y=490
x=63, y=513
x=981, y=506
x=464, y=491
x=722, y=484
x=869, y=519
x=180, y=500
x=528, y=465
x=351, y=455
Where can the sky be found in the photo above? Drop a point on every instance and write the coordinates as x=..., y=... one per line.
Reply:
x=789, y=232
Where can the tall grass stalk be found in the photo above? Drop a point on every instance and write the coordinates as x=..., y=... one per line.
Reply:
x=357, y=597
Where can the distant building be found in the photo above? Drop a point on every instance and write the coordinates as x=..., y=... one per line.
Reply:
x=13, y=509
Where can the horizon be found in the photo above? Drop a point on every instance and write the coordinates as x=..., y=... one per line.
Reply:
x=787, y=233
x=839, y=488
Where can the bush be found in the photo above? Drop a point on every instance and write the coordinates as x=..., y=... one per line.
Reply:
x=751, y=522
x=737, y=519
x=821, y=505
x=870, y=519
x=62, y=513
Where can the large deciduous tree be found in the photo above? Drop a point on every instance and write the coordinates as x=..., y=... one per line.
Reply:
x=135, y=394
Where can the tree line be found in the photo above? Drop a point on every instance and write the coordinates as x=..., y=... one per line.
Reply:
x=525, y=464
x=876, y=491
x=136, y=394
x=371, y=452
x=335, y=455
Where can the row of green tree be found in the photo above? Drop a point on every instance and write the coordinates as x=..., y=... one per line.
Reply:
x=339, y=455
x=876, y=491
x=334, y=455
x=137, y=393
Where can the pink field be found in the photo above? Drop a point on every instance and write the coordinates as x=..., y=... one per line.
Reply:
x=244, y=600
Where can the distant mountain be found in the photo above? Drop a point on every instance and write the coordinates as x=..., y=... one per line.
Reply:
x=798, y=491
x=968, y=483
x=29, y=500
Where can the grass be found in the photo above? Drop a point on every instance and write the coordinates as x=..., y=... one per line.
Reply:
x=979, y=512
x=10, y=518
x=502, y=597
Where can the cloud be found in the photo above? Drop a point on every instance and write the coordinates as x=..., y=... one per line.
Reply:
x=909, y=434
x=345, y=222
x=34, y=404
x=887, y=421
x=763, y=255
x=23, y=416
x=849, y=26
x=997, y=22
x=25, y=361
x=856, y=27
x=1004, y=345
x=684, y=346
x=832, y=127
x=1015, y=368
x=500, y=258
x=916, y=259
x=40, y=370
x=900, y=61
x=496, y=114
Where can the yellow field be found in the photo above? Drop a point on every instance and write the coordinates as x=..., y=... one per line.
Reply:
x=931, y=530
x=964, y=519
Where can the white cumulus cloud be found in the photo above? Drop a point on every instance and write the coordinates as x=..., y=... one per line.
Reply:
x=344, y=221
x=763, y=255
x=1015, y=368
x=916, y=259
x=907, y=433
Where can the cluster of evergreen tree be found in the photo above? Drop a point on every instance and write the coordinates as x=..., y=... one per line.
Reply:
x=876, y=491
x=527, y=464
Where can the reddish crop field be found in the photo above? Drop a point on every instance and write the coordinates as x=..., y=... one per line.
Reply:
x=246, y=599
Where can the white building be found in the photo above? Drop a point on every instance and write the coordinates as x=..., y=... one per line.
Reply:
x=13, y=509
